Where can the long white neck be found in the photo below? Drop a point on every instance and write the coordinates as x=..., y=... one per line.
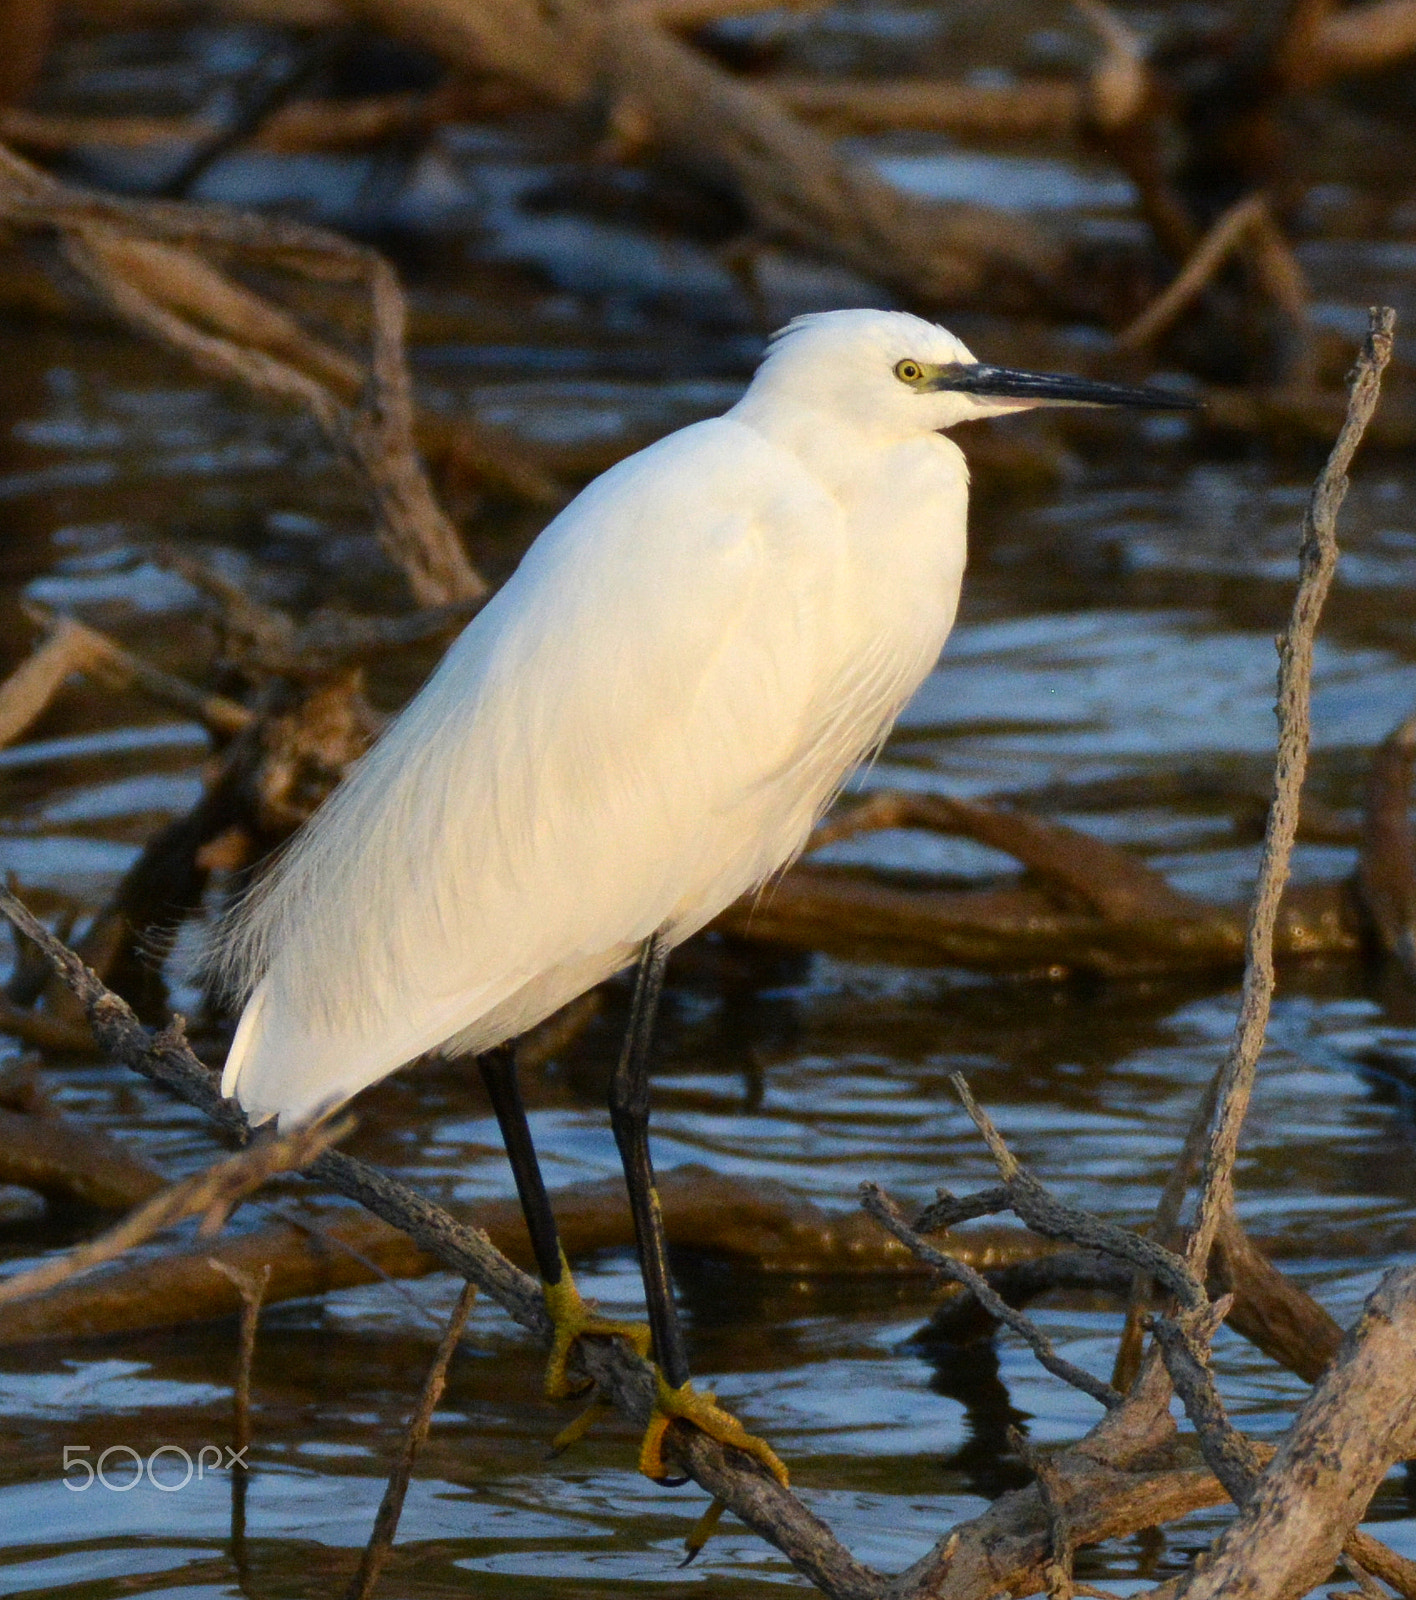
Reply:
x=838, y=452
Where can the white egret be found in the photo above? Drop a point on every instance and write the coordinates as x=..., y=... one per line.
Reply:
x=642, y=725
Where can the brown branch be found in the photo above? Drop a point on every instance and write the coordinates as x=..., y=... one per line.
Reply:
x=1386, y=869
x=1364, y=38
x=141, y=258
x=380, y=1544
x=26, y=694
x=413, y=528
x=251, y=1287
x=1226, y=235
x=107, y=662
x=1049, y=108
x=1115, y=886
x=61, y=1158
x=1269, y=1309
x=303, y=125
x=793, y=182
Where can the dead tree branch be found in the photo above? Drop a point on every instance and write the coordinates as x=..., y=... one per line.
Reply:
x=1359, y=1419
x=1317, y=562
x=888, y=1214
x=376, y=1552
x=210, y=1194
x=145, y=261
x=627, y=1381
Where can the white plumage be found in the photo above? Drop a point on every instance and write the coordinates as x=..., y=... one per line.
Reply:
x=642, y=725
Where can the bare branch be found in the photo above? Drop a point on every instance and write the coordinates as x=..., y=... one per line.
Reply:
x=1054, y=1219
x=884, y=1210
x=27, y=692
x=251, y=1286
x=376, y=1552
x=1225, y=236
x=210, y=1194
x=1185, y=1342
x=1317, y=562
x=1359, y=1419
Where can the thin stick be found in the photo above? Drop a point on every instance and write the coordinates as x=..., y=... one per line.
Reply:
x=212, y=1192
x=1317, y=557
x=1317, y=562
x=251, y=1286
x=885, y=1211
x=26, y=693
x=376, y=1552
x=1227, y=235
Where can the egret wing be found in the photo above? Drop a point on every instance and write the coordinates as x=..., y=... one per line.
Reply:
x=612, y=746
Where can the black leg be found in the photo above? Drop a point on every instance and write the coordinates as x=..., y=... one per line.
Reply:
x=498, y=1068
x=629, y=1117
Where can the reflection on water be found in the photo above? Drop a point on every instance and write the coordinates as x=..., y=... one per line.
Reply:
x=1117, y=628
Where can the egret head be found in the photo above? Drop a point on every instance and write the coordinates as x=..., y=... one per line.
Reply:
x=895, y=374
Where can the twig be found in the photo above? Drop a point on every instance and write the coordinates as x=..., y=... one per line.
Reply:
x=947, y=1210
x=211, y=1194
x=1184, y=1343
x=251, y=1286
x=27, y=692
x=1224, y=237
x=1317, y=562
x=266, y=93
x=1054, y=1219
x=885, y=1211
x=1037, y=108
x=1165, y=1230
x=380, y=1543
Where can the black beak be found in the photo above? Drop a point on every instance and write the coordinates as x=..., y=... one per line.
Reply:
x=1053, y=388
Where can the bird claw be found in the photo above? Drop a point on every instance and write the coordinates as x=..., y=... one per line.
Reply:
x=575, y=1431
x=704, y=1413
x=573, y=1319
x=702, y=1530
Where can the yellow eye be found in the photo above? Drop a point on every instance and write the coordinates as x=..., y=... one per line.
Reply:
x=908, y=371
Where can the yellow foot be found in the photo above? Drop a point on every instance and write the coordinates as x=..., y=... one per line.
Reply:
x=573, y=1320
x=704, y=1412
x=703, y=1530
